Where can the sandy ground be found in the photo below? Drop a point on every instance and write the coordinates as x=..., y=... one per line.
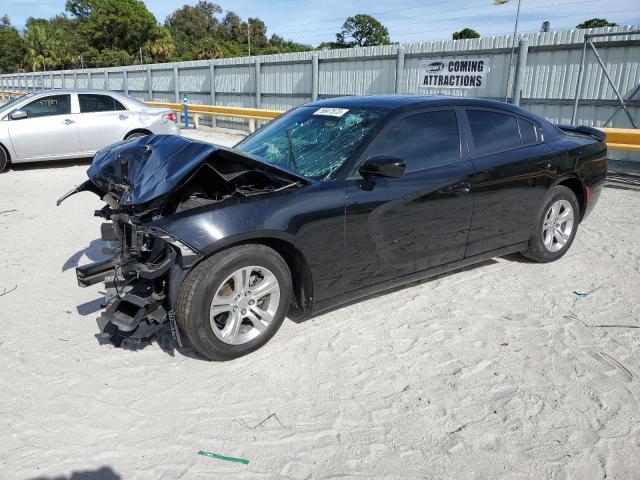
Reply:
x=497, y=371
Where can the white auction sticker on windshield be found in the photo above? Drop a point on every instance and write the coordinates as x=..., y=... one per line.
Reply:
x=331, y=112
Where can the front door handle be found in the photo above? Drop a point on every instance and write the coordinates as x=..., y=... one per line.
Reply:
x=123, y=117
x=68, y=121
x=461, y=189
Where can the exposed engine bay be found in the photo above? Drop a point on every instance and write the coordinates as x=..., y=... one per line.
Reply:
x=154, y=178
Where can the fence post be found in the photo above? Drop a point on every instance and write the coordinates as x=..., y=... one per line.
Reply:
x=89, y=80
x=518, y=80
x=106, y=80
x=75, y=79
x=399, y=69
x=258, y=85
x=576, y=98
x=212, y=90
x=186, y=112
x=149, y=85
x=314, y=77
x=51, y=81
x=125, y=80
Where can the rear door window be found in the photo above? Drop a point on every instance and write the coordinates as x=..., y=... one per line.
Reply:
x=424, y=140
x=528, y=132
x=48, y=106
x=98, y=103
x=493, y=132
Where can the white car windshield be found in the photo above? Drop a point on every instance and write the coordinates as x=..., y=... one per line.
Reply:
x=8, y=106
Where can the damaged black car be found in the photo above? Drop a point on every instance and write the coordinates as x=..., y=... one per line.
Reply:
x=333, y=201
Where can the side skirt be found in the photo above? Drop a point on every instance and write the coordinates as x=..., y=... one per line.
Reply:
x=414, y=277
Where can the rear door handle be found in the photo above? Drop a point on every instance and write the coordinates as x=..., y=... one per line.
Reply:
x=68, y=121
x=123, y=117
x=545, y=165
x=461, y=189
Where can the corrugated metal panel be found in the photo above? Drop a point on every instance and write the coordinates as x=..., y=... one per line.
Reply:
x=83, y=80
x=162, y=81
x=137, y=81
x=116, y=81
x=194, y=79
x=551, y=74
x=290, y=78
x=97, y=80
x=235, y=79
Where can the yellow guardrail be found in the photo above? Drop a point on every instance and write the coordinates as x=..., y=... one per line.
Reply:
x=6, y=94
x=217, y=110
x=623, y=138
x=617, y=138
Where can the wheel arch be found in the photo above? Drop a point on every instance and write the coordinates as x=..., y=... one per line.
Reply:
x=138, y=130
x=301, y=278
x=578, y=187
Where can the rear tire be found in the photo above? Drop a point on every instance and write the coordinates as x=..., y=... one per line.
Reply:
x=4, y=160
x=237, y=278
x=135, y=135
x=556, y=226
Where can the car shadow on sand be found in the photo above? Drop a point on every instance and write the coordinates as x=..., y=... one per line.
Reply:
x=168, y=344
x=103, y=473
x=299, y=317
x=50, y=164
x=96, y=252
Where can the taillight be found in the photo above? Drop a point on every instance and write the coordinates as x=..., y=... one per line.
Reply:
x=172, y=117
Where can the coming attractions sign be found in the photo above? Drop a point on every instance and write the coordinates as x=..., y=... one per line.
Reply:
x=453, y=73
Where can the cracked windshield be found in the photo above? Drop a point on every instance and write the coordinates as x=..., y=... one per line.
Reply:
x=312, y=141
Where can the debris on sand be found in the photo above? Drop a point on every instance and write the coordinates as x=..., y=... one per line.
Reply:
x=244, y=461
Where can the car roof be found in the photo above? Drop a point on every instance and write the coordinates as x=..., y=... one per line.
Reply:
x=59, y=91
x=396, y=102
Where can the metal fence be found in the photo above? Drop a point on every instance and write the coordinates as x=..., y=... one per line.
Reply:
x=283, y=81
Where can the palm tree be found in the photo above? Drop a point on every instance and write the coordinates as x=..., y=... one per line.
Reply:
x=38, y=46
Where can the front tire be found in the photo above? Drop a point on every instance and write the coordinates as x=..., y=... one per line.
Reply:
x=4, y=160
x=556, y=227
x=235, y=301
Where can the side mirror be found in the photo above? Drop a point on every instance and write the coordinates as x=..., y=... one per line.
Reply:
x=388, y=167
x=19, y=114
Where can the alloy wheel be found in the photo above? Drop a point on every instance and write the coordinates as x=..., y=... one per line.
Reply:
x=557, y=225
x=244, y=305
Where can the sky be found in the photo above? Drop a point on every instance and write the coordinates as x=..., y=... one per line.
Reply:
x=314, y=21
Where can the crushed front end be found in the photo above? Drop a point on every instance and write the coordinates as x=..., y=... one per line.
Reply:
x=156, y=179
x=138, y=299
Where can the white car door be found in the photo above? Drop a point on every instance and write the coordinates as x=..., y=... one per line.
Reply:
x=49, y=130
x=103, y=120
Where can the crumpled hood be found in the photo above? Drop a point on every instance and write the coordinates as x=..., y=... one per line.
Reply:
x=141, y=170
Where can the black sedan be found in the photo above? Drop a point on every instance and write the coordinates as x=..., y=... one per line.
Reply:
x=333, y=201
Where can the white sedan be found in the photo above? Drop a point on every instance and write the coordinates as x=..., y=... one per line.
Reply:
x=57, y=124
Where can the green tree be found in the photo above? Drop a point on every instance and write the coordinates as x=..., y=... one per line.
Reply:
x=201, y=32
x=546, y=26
x=38, y=47
x=60, y=42
x=113, y=24
x=12, y=47
x=113, y=58
x=596, y=22
x=465, y=33
x=161, y=47
x=362, y=31
x=196, y=21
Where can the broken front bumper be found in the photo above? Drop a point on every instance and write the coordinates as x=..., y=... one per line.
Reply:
x=137, y=284
x=135, y=310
